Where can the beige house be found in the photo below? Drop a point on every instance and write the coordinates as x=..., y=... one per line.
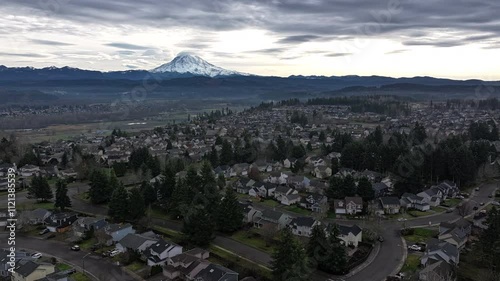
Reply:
x=27, y=270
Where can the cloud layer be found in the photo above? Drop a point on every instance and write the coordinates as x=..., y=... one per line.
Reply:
x=256, y=35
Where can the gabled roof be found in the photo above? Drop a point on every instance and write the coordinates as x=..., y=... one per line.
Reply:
x=26, y=267
x=390, y=201
x=303, y=221
x=161, y=246
x=213, y=272
x=345, y=229
x=272, y=215
x=134, y=241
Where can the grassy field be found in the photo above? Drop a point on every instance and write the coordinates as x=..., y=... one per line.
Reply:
x=78, y=276
x=298, y=210
x=421, y=235
x=452, y=202
x=270, y=203
x=87, y=244
x=135, y=266
x=417, y=213
x=32, y=205
x=253, y=239
x=63, y=266
x=411, y=264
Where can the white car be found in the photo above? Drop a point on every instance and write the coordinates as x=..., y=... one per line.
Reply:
x=402, y=219
x=114, y=253
x=415, y=248
x=36, y=255
x=495, y=203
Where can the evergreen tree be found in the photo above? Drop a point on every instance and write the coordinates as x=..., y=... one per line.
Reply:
x=221, y=181
x=169, y=144
x=64, y=160
x=99, y=187
x=230, y=214
x=214, y=157
x=62, y=198
x=336, y=260
x=317, y=247
x=137, y=206
x=148, y=193
x=289, y=259
x=365, y=189
x=226, y=154
x=40, y=188
x=198, y=227
x=119, y=204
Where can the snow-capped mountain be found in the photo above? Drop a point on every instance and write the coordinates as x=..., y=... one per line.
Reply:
x=192, y=64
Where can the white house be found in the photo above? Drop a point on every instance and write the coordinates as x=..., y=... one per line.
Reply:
x=350, y=235
x=161, y=251
x=302, y=226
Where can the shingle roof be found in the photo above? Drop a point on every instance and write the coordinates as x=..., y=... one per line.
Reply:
x=303, y=221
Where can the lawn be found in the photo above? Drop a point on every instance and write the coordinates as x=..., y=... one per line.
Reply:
x=411, y=264
x=63, y=266
x=156, y=212
x=135, y=266
x=438, y=209
x=417, y=213
x=452, y=202
x=421, y=235
x=270, y=203
x=78, y=276
x=87, y=244
x=298, y=210
x=36, y=205
x=253, y=239
x=331, y=215
x=238, y=264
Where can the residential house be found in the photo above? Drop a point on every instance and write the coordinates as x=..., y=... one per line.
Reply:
x=240, y=169
x=280, y=220
x=116, y=232
x=390, y=205
x=438, y=270
x=440, y=251
x=28, y=270
x=250, y=214
x=302, y=226
x=161, y=251
x=262, y=165
x=298, y=181
x=315, y=202
x=61, y=222
x=265, y=189
x=283, y=190
x=290, y=199
x=348, y=206
x=380, y=188
x=412, y=201
x=29, y=170
x=289, y=162
x=322, y=172
x=5, y=260
x=85, y=224
x=37, y=216
x=455, y=233
x=192, y=265
x=350, y=235
x=432, y=196
x=277, y=177
x=224, y=170
x=134, y=242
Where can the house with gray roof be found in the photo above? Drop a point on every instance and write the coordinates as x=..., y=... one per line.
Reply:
x=390, y=205
x=440, y=251
x=135, y=242
x=28, y=270
x=278, y=219
x=159, y=252
x=302, y=226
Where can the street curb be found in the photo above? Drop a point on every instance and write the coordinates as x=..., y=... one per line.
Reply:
x=370, y=260
x=403, y=260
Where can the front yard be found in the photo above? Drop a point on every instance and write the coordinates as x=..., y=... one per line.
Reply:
x=32, y=205
x=78, y=276
x=416, y=235
x=253, y=239
x=296, y=209
x=412, y=264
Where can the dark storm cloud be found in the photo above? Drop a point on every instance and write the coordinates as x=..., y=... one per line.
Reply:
x=295, y=21
x=50, y=42
x=127, y=46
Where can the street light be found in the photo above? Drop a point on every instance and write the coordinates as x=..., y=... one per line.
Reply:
x=83, y=263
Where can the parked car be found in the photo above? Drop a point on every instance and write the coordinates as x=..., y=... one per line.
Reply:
x=415, y=248
x=75, y=248
x=495, y=203
x=43, y=232
x=481, y=204
x=114, y=253
x=490, y=196
x=36, y=255
x=381, y=239
x=449, y=210
x=475, y=208
x=402, y=219
x=477, y=189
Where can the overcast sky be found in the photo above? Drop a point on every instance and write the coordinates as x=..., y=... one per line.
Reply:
x=400, y=38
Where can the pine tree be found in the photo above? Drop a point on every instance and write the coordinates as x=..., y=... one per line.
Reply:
x=230, y=214
x=99, y=187
x=365, y=189
x=317, y=247
x=226, y=154
x=137, y=207
x=198, y=227
x=289, y=259
x=45, y=192
x=62, y=199
x=148, y=193
x=336, y=259
x=214, y=157
x=119, y=204
x=221, y=181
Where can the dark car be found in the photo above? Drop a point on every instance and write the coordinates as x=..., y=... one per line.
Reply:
x=381, y=239
x=75, y=248
x=475, y=208
x=490, y=196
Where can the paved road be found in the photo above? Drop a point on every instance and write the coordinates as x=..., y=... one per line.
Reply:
x=101, y=268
